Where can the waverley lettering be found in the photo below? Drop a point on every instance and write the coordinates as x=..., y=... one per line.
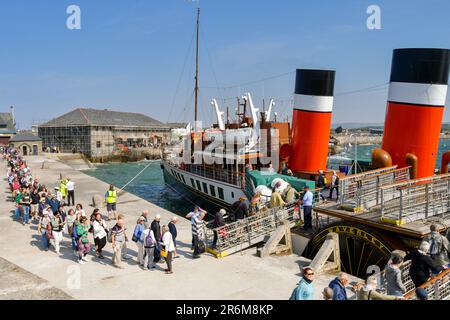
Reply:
x=186, y=310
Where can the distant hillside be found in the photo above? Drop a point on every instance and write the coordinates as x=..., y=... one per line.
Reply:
x=360, y=125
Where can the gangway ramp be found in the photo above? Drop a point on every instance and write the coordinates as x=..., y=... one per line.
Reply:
x=242, y=234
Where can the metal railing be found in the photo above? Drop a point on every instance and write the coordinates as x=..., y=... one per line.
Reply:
x=364, y=190
x=416, y=199
x=438, y=287
x=228, y=176
x=241, y=234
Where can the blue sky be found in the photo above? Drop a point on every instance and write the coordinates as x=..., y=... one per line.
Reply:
x=129, y=55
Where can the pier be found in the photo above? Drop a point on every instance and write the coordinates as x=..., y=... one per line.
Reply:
x=238, y=277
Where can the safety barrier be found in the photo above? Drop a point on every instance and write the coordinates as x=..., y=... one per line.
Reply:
x=416, y=199
x=364, y=190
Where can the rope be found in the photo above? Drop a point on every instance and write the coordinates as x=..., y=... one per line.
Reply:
x=134, y=178
x=189, y=200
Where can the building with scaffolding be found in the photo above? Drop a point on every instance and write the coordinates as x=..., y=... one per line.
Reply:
x=7, y=127
x=98, y=133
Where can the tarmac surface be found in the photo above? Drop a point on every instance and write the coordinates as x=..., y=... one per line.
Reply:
x=31, y=273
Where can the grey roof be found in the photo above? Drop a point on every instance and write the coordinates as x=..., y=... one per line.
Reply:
x=24, y=136
x=7, y=119
x=105, y=117
x=176, y=125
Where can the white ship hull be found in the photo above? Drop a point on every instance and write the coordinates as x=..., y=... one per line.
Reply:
x=217, y=193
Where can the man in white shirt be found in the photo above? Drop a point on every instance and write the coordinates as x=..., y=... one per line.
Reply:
x=70, y=192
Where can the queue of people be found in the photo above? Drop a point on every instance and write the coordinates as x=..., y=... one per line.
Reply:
x=58, y=217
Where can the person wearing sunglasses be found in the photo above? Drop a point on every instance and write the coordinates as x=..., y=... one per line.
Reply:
x=304, y=289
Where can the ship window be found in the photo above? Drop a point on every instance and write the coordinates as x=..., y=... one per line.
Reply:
x=220, y=190
x=193, y=183
x=212, y=190
x=182, y=177
x=232, y=195
x=198, y=185
x=205, y=188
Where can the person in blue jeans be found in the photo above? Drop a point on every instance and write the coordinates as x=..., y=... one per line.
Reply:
x=25, y=203
x=42, y=229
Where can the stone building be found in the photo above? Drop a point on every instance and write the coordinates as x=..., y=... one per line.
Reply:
x=28, y=143
x=99, y=133
x=7, y=127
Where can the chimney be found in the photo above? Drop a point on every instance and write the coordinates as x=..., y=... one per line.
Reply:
x=417, y=94
x=311, y=120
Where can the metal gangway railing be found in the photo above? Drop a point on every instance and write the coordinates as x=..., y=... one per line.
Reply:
x=239, y=235
x=438, y=287
x=363, y=190
x=416, y=199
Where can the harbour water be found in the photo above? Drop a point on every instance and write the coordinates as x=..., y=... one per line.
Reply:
x=150, y=184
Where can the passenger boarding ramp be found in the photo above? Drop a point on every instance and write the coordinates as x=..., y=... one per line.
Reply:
x=242, y=234
x=362, y=191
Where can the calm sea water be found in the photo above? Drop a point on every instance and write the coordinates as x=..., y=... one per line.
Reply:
x=365, y=151
x=150, y=184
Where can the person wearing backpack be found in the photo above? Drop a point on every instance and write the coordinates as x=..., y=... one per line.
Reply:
x=305, y=288
x=334, y=185
x=83, y=240
x=149, y=241
x=100, y=232
x=439, y=249
x=137, y=239
x=421, y=264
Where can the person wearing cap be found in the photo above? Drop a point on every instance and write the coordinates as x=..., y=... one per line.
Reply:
x=219, y=222
x=44, y=221
x=173, y=230
x=139, y=228
x=241, y=208
x=305, y=288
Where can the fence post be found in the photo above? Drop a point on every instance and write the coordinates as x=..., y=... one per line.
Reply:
x=436, y=290
x=401, y=205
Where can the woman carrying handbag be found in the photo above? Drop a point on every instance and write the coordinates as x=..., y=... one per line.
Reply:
x=168, y=248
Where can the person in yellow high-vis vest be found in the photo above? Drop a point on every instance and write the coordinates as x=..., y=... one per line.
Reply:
x=63, y=189
x=111, y=201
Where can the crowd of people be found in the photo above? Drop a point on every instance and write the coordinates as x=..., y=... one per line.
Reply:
x=58, y=218
x=426, y=262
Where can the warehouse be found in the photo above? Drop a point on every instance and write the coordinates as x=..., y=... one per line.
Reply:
x=99, y=133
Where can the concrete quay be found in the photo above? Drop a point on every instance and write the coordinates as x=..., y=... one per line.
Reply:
x=242, y=276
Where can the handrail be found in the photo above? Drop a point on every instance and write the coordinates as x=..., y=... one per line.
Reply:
x=429, y=286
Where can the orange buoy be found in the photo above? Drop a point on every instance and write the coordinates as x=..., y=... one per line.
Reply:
x=311, y=119
x=417, y=94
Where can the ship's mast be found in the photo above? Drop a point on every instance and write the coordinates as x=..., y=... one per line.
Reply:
x=196, y=70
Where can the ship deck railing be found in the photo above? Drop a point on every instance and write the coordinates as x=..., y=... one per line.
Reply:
x=228, y=176
x=437, y=287
x=416, y=199
x=241, y=234
x=363, y=190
